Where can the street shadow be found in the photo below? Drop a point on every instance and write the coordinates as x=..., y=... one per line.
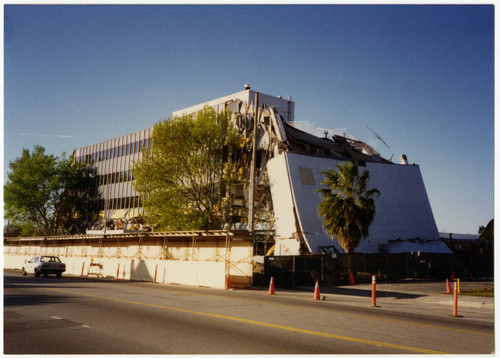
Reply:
x=368, y=293
x=31, y=300
x=14, y=279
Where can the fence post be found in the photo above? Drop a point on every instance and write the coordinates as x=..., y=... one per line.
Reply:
x=407, y=265
x=365, y=269
x=386, y=266
x=322, y=278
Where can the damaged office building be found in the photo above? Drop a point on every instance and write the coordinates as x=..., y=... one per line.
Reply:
x=277, y=200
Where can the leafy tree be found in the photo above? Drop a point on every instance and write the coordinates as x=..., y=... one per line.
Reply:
x=347, y=207
x=80, y=197
x=184, y=178
x=47, y=195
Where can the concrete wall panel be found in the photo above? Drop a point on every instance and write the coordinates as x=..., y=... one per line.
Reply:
x=403, y=208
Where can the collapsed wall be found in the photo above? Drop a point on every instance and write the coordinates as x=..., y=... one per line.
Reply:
x=403, y=209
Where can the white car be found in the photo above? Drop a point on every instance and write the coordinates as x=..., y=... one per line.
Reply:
x=44, y=265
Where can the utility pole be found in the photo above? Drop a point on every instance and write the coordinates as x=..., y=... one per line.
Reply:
x=251, y=189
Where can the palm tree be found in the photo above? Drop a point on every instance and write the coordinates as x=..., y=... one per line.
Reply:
x=348, y=207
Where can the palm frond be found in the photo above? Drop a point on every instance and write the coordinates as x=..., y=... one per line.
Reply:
x=347, y=208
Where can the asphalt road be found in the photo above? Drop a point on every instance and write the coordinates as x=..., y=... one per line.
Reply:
x=74, y=315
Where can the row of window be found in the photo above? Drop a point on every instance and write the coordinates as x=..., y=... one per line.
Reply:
x=121, y=203
x=115, y=152
x=117, y=177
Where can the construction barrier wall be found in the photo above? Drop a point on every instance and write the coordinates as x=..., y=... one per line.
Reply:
x=188, y=261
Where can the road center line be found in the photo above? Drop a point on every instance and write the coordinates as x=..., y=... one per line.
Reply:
x=259, y=323
x=426, y=325
x=373, y=318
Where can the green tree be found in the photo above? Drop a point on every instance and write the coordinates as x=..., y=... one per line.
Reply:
x=47, y=195
x=185, y=176
x=347, y=208
x=76, y=209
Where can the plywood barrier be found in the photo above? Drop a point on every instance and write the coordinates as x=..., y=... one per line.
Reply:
x=181, y=261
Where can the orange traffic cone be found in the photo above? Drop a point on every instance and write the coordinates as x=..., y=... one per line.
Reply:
x=316, y=292
x=271, y=287
x=452, y=274
x=351, y=279
x=228, y=283
x=448, y=287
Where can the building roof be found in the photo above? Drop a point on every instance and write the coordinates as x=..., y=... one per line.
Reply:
x=340, y=148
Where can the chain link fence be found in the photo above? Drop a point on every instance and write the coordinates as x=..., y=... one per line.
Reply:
x=293, y=271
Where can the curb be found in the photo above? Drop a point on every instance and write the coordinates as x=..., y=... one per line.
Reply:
x=462, y=302
x=486, y=303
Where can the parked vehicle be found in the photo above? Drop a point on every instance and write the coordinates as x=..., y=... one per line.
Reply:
x=45, y=265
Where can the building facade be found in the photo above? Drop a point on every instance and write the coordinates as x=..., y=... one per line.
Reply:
x=243, y=102
x=112, y=161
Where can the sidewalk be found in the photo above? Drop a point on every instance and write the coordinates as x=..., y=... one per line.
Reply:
x=422, y=292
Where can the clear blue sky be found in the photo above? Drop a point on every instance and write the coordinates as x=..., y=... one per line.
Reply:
x=420, y=76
